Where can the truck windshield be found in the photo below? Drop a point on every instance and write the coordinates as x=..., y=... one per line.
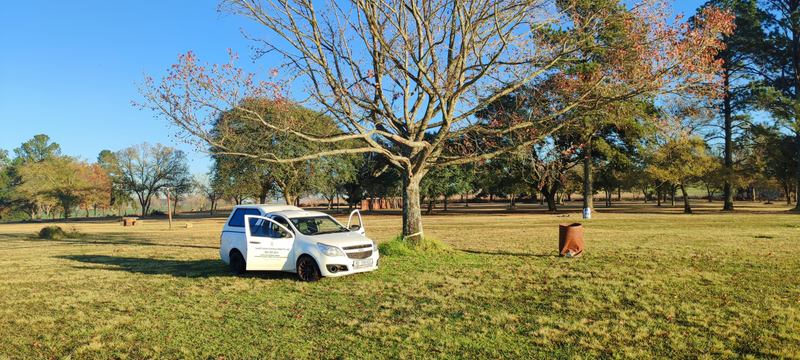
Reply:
x=317, y=225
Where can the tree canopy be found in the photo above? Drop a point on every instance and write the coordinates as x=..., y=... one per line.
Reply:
x=146, y=170
x=404, y=78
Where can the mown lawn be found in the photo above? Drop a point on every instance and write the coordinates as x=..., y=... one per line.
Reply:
x=651, y=285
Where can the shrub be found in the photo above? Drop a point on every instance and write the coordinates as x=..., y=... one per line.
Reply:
x=52, y=232
x=55, y=232
x=399, y=246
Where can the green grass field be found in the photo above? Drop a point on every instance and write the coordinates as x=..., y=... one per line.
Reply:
x=653, y=283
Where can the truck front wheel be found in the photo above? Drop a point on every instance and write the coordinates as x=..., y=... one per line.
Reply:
x=307, y=269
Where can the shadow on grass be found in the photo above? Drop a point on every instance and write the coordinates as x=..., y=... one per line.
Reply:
x=507, y=253
x=177, y=268
x=105, y=239
x=126, y=239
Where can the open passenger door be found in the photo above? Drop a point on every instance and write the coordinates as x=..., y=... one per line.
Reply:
x=357, y=228
x=268, y=248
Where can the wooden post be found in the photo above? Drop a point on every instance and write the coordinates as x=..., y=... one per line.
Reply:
x=169, y=212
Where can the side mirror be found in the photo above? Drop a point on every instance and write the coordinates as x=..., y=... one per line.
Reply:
x=355, y=227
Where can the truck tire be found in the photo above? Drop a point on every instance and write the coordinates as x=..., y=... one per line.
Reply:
x=238, y=265
x=307, y=269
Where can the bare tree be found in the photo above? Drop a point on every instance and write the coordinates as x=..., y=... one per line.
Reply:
x=180, y=186
x=404, y=78
x=206, y=187
x=145, y=170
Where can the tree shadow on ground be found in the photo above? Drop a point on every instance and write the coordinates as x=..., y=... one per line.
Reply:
x=127, y=239
x=508, y=253
x=104, y=239
x=177, y=268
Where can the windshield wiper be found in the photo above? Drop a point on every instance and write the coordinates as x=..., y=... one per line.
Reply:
x=330, y=232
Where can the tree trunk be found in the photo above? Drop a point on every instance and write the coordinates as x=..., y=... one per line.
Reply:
x=726, y=108
x=145, y=204
x=797, y=140
x=686, y=208
x=262, y=196
x=431, y=205
x=412, y=217
x=550, y=196
x=672, y=190
x=588, y=201
x=644, y=193
x=710, y=193
x=791, y=7
x=658, y=195
x=174, y=206
x=619, y=193
x=445, y=203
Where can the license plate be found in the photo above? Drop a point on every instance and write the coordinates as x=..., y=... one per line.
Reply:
x=359, y=264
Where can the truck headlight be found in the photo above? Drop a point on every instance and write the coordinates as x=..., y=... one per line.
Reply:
x=374, y=245
x=331, y=251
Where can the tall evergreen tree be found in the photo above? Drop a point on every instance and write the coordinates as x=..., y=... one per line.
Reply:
x=742, y=46
x=779, y=66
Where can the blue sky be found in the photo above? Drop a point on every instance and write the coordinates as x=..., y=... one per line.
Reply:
x=67, y=69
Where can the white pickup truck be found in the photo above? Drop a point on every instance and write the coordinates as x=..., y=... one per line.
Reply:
x=288, y=238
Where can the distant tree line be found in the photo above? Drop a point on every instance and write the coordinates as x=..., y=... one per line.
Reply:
x=655, y=151
x=41, y=183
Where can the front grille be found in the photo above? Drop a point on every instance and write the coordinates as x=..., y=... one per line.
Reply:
x=356, y=247
x=360, y=255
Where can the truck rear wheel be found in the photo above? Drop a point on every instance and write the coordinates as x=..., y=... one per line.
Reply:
x=238, y=265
